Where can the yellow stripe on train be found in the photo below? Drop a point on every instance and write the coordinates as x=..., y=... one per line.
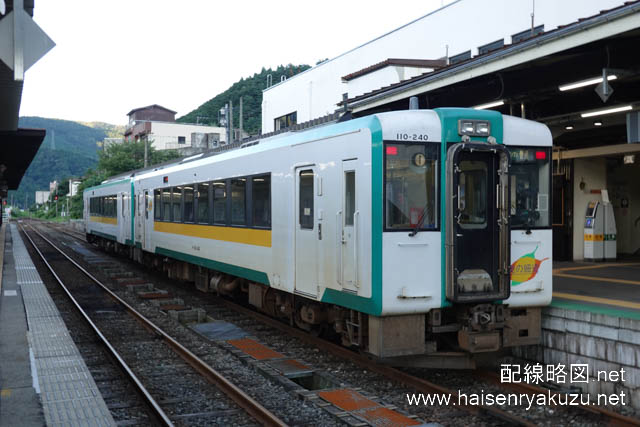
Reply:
x=249, y=236
x=593, y=237
x=104, y=219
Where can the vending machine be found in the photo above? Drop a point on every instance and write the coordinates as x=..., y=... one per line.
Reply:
x=600, y=233
x=593, y=233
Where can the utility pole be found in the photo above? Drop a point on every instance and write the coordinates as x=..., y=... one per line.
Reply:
x=146, y=150
x=223, y=120
x=230, y=122
x=240, y=120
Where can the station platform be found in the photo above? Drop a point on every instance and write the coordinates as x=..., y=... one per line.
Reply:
x=609, y=288
x=43, y=378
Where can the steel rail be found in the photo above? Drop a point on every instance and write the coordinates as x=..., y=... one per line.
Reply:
x=155, y=409
x=418, y=384
x=613, y=418
x=246, y=402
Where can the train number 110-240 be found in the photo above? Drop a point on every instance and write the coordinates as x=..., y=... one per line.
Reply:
x=412, y=137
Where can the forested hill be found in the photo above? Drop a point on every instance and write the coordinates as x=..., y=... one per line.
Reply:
x=68, y=150
x=250, y=89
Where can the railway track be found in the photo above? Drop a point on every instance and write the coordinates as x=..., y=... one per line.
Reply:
x=156, y=370
x=597, y=415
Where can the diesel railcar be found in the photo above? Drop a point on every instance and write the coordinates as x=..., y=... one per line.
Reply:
x=405, y=233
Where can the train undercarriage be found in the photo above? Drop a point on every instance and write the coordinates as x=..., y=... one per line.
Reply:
x=461, y=336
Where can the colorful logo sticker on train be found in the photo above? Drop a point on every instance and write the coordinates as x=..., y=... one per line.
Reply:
x=525, y=268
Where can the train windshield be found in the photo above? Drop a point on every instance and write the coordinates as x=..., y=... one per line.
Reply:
x=530, y=182
x=411, y=186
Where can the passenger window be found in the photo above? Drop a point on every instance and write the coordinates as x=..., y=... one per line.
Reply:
x=411, y=177
x=157, y=205
x=530, y=187
x=238, y=201
x=261, y=200
x=306, y=199
x=220, y=202
x=166, y=204
x=203, y=202
x=349, y=197
x=176, y=204
x=188, y=203
x=472, y=191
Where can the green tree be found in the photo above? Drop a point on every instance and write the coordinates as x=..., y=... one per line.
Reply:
x=250, y=89
x=115, y=160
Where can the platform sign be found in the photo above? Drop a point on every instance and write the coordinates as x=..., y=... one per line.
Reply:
x=22, y=41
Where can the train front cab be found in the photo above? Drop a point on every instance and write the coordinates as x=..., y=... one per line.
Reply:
x=497, y=170
x=493, y=231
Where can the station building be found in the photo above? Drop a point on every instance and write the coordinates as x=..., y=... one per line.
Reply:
x=158, y=124
x=544, y=61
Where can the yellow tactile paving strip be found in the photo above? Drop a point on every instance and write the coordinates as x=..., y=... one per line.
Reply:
x=2, y=230
x=594, y=267
x=597, y=278
x=565, y=272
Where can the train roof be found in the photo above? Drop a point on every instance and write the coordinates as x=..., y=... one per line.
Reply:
x=372, y=122
x=274, y=142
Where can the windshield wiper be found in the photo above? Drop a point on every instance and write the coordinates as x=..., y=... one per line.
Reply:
x=420, y=221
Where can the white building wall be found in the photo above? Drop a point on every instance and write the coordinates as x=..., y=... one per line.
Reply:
x=165, y=134
x=42, y=197
x=73, y=187
x=462, y=25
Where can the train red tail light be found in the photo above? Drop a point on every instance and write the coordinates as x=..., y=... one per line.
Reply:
x=541, y=155
x=392, y=151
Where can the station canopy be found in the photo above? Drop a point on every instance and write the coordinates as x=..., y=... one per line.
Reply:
x=536, y=78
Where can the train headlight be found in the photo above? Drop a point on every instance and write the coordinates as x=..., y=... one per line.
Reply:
x=474, y=127
x=465, y=128
x=482, y=128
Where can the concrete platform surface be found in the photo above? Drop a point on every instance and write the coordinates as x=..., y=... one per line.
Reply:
x=43, y=377
x=609, y=288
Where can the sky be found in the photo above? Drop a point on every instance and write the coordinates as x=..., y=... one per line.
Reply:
x=113, y=56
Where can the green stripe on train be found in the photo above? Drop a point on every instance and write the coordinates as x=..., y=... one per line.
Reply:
x=592, y=308
x=234, y=270
x=108, y=184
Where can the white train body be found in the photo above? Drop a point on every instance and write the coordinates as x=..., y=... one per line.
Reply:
x=342, y=220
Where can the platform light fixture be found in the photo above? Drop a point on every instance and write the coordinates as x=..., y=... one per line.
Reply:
x=489, y=105
x=606, y=111
x=583, y=83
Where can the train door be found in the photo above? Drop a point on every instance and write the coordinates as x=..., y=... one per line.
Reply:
x=139, y=211
x=306, y=232
x=122, y=229
x=349, y=234
x=148, y=220
x=477, y=222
